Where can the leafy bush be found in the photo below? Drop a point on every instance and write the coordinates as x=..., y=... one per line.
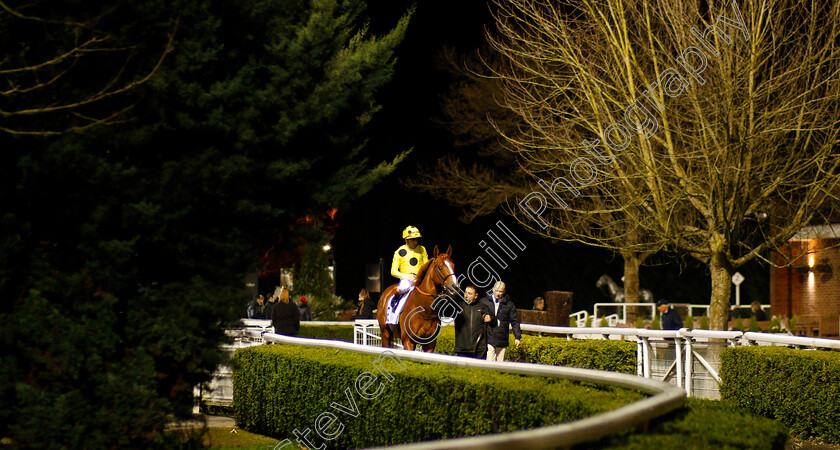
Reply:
x=738, y=325
x=799, y=388
x=704, y=322
x=640, y=322
x=615, y=356
x=588, y=322
x=703, y=424
x=603, y=322
x=280, y=388
x=332, y=332
x=753, y=325
x=655, y=324
x=775, y=325
x=688, y=322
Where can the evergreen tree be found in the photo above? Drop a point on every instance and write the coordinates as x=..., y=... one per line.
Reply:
x=122, y=248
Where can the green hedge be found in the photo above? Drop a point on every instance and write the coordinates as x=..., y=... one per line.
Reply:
x=703, y=424
x=800, y=388
x=615, y=356
x=280, y=388
x=331, y=332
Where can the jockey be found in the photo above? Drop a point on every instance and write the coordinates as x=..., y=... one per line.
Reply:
x=407, y=261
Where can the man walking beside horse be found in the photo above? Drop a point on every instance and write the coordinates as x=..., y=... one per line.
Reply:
x=470, y=332
x=506, y=317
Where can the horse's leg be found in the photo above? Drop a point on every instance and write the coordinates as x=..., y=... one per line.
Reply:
x=430, y=347
x=385, y=331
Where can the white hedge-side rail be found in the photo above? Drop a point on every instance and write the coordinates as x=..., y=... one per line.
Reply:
x=665, y=398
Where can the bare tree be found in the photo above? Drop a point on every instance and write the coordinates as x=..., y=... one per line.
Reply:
x=698, y=124
x=37, y=98
x=475, y=114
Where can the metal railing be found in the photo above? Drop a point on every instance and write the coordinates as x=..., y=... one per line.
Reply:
x=622, y=310
x=665, y=398
x=685, y=343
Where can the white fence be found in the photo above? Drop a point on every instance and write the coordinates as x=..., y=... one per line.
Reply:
x=684, y=357
x=621, y=311
x=694, y=365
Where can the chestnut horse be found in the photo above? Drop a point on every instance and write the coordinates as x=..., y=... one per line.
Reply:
x=418, y=321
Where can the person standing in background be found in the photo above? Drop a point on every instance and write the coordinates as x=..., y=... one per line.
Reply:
x=272, y=299
x=671, y=319
x=364, y=309
x=305, y=310
x=256, y=310
x=285, y=316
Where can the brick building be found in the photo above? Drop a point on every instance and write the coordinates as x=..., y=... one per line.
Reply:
x=809, y=287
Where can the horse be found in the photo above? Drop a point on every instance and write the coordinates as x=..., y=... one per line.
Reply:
x=616, y=293
x=418, y=319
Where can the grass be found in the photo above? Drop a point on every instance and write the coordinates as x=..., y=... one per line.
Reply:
x=223, y=439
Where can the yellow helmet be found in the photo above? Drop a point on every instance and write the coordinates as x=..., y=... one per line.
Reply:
x=411, y=233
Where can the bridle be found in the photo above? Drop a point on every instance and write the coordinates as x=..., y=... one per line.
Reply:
x=438, y=270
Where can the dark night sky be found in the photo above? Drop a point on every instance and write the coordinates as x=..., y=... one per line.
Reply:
x=372, y=227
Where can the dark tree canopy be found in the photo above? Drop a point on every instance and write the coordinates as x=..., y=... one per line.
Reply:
x=123, y=244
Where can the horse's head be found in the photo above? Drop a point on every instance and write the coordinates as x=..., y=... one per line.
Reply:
x=443, y=269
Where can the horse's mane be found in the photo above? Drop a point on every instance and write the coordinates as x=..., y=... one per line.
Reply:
x=422, y=272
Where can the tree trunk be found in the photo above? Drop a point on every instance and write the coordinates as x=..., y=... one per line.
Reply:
x=721, y=291
x=632, y=261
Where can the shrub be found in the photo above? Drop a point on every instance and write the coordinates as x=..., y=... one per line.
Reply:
x=792, y=322
x=775, y=325
x=703, y=424
x=573, y=322
x=588, y=322
x=688, y=322
x=603, y=322
x=655, y=324
x=738, y=325
x=704, y=323
x=332, y=332
x=280, y=388
x=615, y=356
x=753, y=326
x=640, y=322
x=799, y=388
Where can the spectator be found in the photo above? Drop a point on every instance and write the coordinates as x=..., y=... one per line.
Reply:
x=364, y=310
x=305, y=310
x=506, y=316
x=256, y=310
x=539, y=304
x=757, y=312
x=671, y=319
x=272, y=300
x=285, y=316
x=470, y=330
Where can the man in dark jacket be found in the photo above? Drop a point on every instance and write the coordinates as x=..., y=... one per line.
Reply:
x=671, y=319
x=506, y=317
x=272, y=300
x=285, y=317
x=305, y=310
x=256, y=310
x=470, y=335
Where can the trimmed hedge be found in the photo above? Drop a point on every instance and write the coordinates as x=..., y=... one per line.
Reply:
x=800, y=388
x=281, y=388
x=331, y=332
x=703, y=424
x=615, y=356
